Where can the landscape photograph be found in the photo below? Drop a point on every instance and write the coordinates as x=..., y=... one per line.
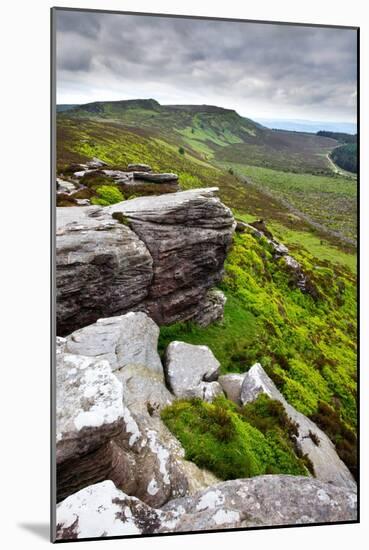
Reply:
x=206, y=191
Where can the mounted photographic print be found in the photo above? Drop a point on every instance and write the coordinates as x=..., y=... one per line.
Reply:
x=204, y=200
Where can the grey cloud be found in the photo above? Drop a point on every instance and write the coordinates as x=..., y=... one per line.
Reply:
x=261, y=63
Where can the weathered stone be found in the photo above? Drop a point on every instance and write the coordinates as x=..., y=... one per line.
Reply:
x=95, y=163
x=191, y=371
x=164, y=263
x=264, y=501
x=211, y=308
x=118, y=175
x=83, y=202
x=155, y=178
x=102, y=267
x=151, y=463
x=102, y=510
x=298, y=277
x=138, y=168
x=130, y=339
x=188, y=235
x=279, y=249
x=89, y=408
x=231, y=385
x=80, y=173
x=109, y=461
x=160, y=471
x=243, y=227
x=326, y=462
x=65, y=186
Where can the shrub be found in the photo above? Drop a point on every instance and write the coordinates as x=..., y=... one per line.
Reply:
x=181, y=151
x=218, y=436
x=106, y=195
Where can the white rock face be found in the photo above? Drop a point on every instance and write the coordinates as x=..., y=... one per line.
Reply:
x=65, y=186
x=327, y=464
x=102, y=510
x=130, y=339
x=191, y=371
x=89, y=409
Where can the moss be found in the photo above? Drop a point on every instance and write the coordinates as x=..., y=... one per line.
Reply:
x=106, y=195
x=220, y=437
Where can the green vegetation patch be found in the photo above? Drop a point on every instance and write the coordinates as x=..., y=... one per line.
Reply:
x=328, y=200
x=307, y=345
x=106, y=195
x=223, y=438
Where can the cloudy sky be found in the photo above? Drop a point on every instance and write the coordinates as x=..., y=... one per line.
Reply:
x=261, y=70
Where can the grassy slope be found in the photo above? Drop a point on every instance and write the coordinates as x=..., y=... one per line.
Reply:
x=328, y=200
x=307, y=346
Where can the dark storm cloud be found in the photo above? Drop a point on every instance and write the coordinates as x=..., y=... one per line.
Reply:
x=251, y=66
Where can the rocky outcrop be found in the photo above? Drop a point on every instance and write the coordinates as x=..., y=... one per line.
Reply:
x=155, y=178
x=311, y=440
x=125, y=340
x=211, y=308
x=191, y=371
x=188, y=235
x=102, y=267
x=142, y=457
x=89, y=409
x=64, y=186
x=138, y=168
x=274, y=500
x=158, y=254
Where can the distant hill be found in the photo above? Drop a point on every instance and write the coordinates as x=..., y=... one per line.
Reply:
x=213, y=133
x=311, y=126
x=61, y=108
x=341, y=137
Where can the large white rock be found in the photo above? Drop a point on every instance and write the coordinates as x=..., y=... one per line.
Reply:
x=326, y=462
x=130, y=339
x=89, y=408
x=191, y=371
x=102, y=510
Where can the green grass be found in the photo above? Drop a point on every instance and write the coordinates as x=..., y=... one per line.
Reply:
x=307, y=345
x=316, y=246
x=222, y=438
x=106, y=195
x=328, y=200
x=224, y=339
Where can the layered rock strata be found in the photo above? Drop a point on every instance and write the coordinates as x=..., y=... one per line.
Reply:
x=158, y=254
